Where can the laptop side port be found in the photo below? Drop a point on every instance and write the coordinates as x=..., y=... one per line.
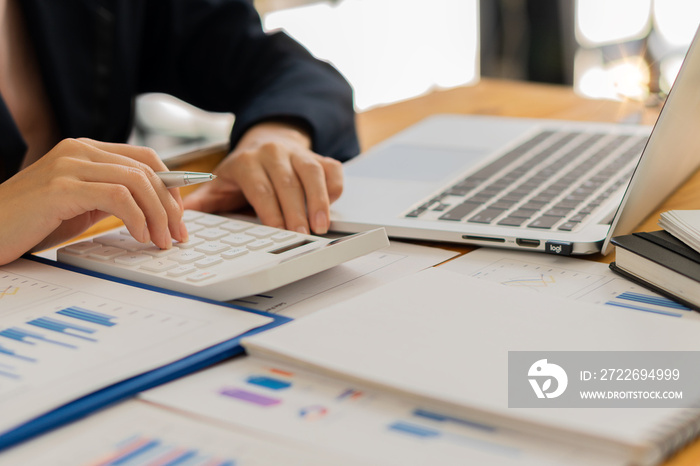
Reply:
x=483, y=238
x=527, y=243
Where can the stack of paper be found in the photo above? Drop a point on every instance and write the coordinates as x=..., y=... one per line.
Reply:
x=684, y=225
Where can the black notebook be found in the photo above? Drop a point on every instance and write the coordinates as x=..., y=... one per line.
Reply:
x=659, y=261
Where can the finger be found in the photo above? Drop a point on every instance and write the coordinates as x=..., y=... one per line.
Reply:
x=334, y=177
x=258, y=190
x=313, y=179
x=163, y=215
x=144, y=155
x=114, y=199
x=290, y=194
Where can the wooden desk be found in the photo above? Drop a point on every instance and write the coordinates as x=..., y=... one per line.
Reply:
x=515, y=99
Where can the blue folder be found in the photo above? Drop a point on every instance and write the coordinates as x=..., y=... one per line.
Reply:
x=107, y=396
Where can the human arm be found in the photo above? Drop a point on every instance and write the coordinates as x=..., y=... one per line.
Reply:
x=290, y=109
x=79, y=182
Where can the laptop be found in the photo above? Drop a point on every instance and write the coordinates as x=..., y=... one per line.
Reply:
x=539, y=185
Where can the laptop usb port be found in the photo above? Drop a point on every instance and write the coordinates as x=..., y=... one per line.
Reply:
x=528, y=243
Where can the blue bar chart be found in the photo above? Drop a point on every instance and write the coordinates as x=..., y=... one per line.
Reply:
x=8, y=371
x=64, y=328
x=87, y=315
x=28, y=344
x=25, y=336
x=13, y=354
x=646, y=302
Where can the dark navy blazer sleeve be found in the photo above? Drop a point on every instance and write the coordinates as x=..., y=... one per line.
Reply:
x=215, y=55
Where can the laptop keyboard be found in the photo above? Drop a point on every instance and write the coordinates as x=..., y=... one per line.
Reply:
x=555, y=180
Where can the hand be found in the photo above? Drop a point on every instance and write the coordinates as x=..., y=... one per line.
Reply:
x=79, y=182
x=274, y=170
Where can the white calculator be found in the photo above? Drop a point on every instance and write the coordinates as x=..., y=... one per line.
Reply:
x=224, y=259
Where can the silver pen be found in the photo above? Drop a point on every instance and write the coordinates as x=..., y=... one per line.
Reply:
x=180, y=179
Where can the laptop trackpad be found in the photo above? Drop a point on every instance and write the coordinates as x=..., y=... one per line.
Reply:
x=414, y=163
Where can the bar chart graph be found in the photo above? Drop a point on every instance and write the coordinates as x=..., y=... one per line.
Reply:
x=8, y=371
x=27, y=337
x=437, y=427
x=648, y=303
x=66, y=335
x=569, y=278
x=88, y=316
x=68, y=330
x=13, y=354
x=64, y=328
x=146, y=450
x=135, y=433
x=368, y=425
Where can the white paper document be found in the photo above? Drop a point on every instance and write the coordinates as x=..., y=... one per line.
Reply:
x=444, y=338
x=64, y=335
x=566, y=277
x=369, y=426
x=347, y=280
x=136, y=433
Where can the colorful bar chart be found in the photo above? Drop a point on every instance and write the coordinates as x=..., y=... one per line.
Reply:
x=56, y=325
x=271, y=383
x=147, y=451
x=350, y=394
x=88, y=316
x=250, y=397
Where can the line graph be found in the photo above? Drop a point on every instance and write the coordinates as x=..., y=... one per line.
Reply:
x=9, y=291
x=542, y=280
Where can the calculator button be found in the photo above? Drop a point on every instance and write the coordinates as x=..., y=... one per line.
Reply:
x=239, y=239
x=159, y=265
x=83, y=247
x=234, y=252
x=259, y=244
x=210, y=220
x=234, y=226
x=155, y=251
x=283, y=235
x=210, y=234
x=193, y=228
x=212, y=248
x=121, y=241
x=182, y=270
x=262, y=232
x=208, y=261
x=190, y=215
x=132, y=259
x=201, y=275
x=106, y=253
x=191, y=243
x=187, y=256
